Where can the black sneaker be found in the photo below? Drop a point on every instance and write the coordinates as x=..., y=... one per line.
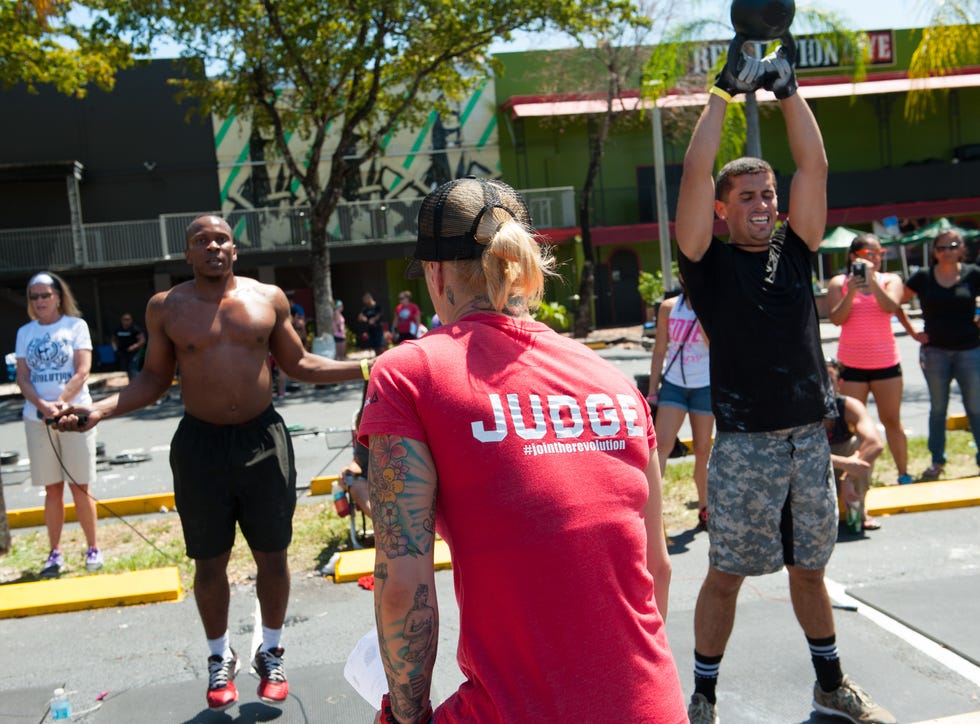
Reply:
x=221, y=681
x=273, y=687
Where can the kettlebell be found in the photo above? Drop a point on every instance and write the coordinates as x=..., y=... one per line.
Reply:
x=762, y=19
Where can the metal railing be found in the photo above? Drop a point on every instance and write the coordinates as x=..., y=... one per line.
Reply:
x=268, y=229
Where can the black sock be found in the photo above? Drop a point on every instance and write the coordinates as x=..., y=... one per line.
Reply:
x=706, y=675
x=823, y=654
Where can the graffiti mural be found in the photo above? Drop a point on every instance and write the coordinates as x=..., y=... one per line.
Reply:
x=264, y=202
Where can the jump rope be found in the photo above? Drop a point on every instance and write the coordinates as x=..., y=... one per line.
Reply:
x=84, y=489
x=82, y=419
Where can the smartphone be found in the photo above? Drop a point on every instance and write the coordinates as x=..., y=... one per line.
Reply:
x=859, y=271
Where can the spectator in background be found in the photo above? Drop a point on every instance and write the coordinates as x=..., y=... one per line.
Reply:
x=408, y=318
x=854, y=447
x=54, y=358
x=682, y=388
x=948, y=293
x=339, y=331
x=128, y=341
x=297, y=318
x=863, y=305
x=372, y=316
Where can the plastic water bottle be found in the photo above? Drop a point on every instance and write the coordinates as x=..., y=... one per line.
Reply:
x=854, y=522
x=340, y=503
x=60, y=705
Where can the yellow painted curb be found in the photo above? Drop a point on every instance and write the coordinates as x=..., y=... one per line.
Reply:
x=957, y=422
x=322, y=485
x=87, y=592
x=136, y=505
x=351, y=565
x=917, y=497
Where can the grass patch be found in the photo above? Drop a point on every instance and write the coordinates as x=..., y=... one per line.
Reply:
x=318, y=533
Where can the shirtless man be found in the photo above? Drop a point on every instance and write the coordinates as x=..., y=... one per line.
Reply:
x=231, y=456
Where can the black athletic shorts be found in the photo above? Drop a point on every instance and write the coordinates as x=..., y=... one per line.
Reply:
x=854, y=374
x=227, y=474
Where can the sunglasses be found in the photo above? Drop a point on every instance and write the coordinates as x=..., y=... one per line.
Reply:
x=948, y=247
x=869, y=252
x=42, y=295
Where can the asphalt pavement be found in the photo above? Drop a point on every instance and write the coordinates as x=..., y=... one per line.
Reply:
x=906, y=599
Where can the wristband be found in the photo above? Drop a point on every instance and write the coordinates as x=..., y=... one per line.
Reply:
x=388, y=717
x=365, y=370
x=716, y=91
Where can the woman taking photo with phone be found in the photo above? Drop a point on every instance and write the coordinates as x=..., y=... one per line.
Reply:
x=862, y=303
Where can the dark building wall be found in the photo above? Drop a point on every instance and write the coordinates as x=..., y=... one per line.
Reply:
x=142, y=155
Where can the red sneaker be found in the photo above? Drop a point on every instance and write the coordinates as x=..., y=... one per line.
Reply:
x=221, y=683
x=273, y=687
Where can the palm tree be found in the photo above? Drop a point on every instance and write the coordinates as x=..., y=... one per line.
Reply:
x=951, y=40
x=668, y=69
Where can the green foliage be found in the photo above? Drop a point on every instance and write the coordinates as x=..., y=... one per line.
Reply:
x=668, y=69
x=360, y=69
x=553, y=314
x=40, y=44
x=951, y=41
x=651, y=285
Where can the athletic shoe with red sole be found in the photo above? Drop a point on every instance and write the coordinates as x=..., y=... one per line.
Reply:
x=221, y=681
x=273, y=687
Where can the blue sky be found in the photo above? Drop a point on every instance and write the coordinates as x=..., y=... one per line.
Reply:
x=860, y=14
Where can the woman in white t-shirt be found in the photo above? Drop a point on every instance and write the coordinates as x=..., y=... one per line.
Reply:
x=54, y=357
x=679, y=386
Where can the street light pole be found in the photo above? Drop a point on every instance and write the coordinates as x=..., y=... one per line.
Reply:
x=660, y=184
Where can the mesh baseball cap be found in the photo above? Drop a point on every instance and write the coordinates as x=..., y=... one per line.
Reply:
x=458, y=219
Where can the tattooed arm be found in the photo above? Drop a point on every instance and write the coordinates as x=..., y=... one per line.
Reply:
x=402, y=484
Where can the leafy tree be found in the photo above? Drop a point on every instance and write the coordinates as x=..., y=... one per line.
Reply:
x=606, y=67
x=41, y=44
x=616, y=44
x=951, y=40
x=359, y=69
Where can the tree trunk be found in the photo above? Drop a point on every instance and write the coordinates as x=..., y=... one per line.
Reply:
x=584, y=322
x=322, y=281
x=586, y=294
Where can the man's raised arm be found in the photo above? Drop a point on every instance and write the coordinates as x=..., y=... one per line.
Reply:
x=696, y=199
x=808, y=190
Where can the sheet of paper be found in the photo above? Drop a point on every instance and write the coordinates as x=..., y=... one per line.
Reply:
x=364, y=670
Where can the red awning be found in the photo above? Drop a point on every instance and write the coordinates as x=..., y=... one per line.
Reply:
x=572, y=105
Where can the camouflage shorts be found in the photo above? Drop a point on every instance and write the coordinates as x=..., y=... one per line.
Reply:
x=772, y=501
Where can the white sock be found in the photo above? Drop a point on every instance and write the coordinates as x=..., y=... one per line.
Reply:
x=270, y=638
x=220, y=646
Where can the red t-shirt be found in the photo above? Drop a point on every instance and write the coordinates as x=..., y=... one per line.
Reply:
x=540, y=447
x=406, y=316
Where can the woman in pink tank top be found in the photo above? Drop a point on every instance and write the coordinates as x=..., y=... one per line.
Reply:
x=862, y=303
